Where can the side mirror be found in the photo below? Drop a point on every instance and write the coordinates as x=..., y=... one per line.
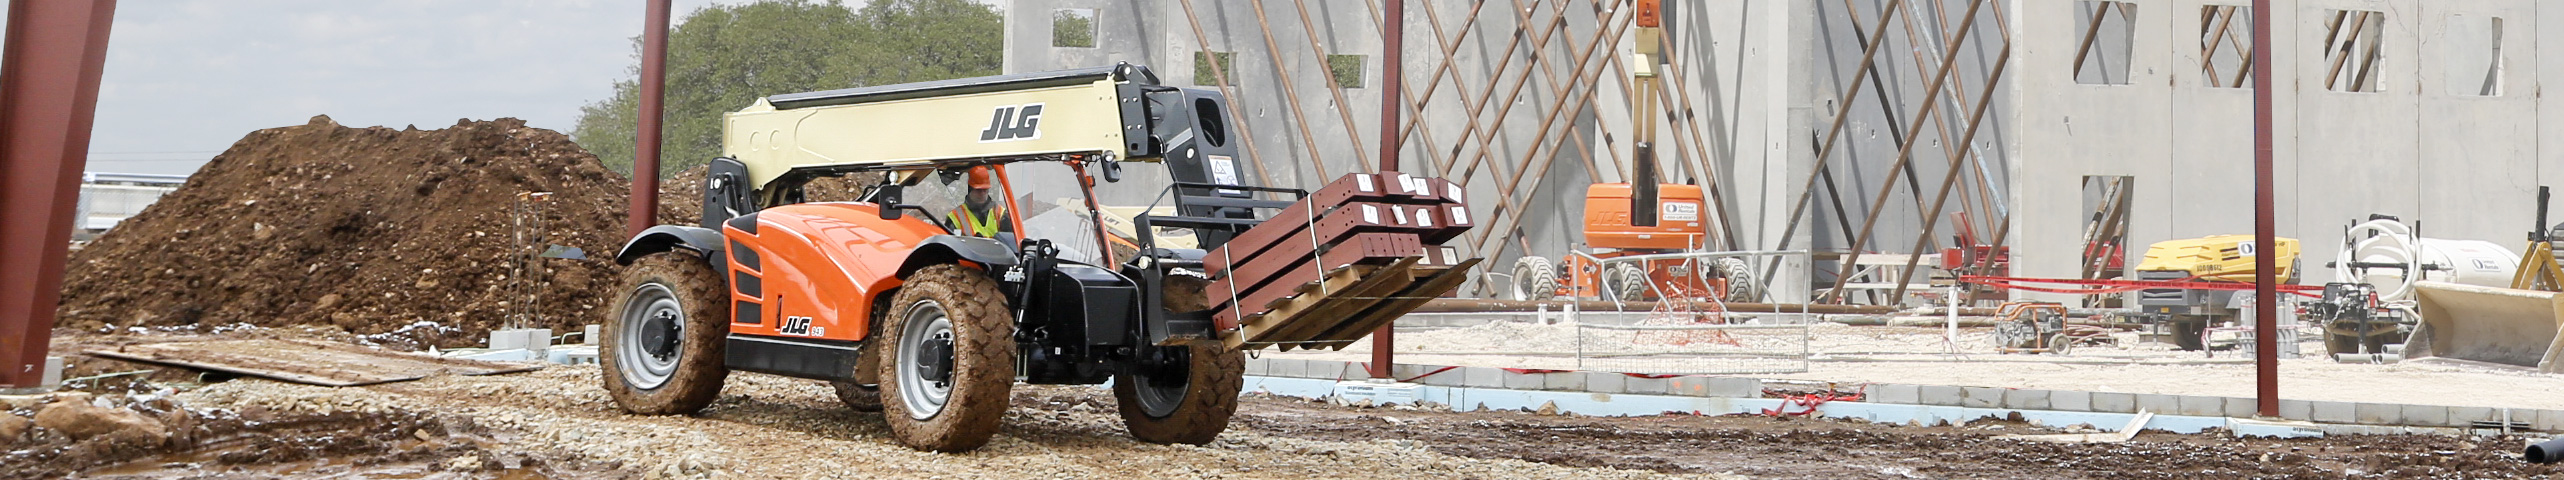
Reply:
x=1113, y=171
x=887, y=197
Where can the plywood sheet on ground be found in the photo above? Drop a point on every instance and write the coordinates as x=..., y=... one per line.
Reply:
x=303, y=361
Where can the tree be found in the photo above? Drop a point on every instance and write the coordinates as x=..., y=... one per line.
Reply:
x=724, y=57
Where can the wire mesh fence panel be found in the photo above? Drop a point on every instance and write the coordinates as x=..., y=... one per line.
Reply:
x=1728, y=343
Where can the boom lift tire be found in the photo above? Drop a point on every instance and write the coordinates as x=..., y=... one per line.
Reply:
x=1741, y=287
x=951, y=360
x=1534, y=278
x=1628, y=283
x=1207, y=378
x=2335, y=343
x=663, y=349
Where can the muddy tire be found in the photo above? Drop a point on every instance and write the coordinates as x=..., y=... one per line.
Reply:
x=662, y=350
x=1534, y=279
x=864, y=393
x=1188, y=402
x=949, y=360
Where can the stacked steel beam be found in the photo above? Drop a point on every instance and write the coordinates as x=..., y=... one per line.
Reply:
x=1342, y=262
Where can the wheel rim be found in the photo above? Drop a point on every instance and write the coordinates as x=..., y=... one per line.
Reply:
x=651, y=340
x=1162, y=384
x=1522, y=282
x=921, y=389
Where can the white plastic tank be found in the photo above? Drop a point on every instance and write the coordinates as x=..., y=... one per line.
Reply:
x=2471, y=262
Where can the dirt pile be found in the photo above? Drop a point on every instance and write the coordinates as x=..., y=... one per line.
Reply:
x=372, y=230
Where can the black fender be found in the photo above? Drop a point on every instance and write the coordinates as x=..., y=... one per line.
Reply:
x=663, y=238
x=942, y=249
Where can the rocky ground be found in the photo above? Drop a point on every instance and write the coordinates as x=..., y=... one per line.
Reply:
x=557, y=423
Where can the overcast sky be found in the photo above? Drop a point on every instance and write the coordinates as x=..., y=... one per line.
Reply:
x=186, y=78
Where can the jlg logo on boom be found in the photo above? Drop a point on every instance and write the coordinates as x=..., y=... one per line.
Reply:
x=1014, y=122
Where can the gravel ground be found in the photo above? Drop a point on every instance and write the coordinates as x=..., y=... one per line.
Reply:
x=773, y=427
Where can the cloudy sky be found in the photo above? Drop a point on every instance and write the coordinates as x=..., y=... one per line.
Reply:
x=186, y=78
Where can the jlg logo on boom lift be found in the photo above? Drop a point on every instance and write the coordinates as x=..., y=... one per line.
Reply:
x=1014, y=122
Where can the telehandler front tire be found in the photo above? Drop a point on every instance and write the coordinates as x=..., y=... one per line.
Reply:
x=950, y=366
x=662, y=351
x=1186, y=400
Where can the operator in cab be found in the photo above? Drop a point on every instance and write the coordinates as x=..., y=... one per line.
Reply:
x=981, y=214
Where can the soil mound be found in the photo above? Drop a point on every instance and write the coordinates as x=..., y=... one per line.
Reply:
x=373, y=230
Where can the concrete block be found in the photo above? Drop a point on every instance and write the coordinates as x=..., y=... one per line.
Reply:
x=2070, y=400
x=1606, y=382
x=1522, y=381
x=2428, y=416
x=2159, y=404
x=2198, y=406
x=2239, y=407
x=2027, y=399
x=2299, y=410
x=1941, y=395
x=1981, y=397
x=2380, y=414
x=2114, y=402
x=2547, y=420
x=1405, y=371
x=1482, y=377
x=1648, y=386
x=1569, y=381
x=1288, y=367
x=1257, y=366
x=2466, y=416
x=1354, y=371
x=2334, y=412
x=1447, y=378
x=1896, y=393
x=1723, y=387
x=1737, y=387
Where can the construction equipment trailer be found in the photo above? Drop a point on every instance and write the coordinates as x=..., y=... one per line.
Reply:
x=906, y=314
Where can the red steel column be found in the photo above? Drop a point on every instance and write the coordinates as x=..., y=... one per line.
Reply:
x=55, y=51
x=2265, y=310
x=644, y=211
x=1392, y=77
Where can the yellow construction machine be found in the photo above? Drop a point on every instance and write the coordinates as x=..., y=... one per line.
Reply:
x=2183, y=314
x=2522, y=325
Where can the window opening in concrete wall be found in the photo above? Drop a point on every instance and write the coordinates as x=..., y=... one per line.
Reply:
x=2109, y=34
x=2106, y=203
x=1347, y=70
x=1210, y=67
x=2473, y=47
x=2352, y=41
x=2225, y=46
x=1073, y=27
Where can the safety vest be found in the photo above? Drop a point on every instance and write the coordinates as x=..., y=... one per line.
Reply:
x=976, y=225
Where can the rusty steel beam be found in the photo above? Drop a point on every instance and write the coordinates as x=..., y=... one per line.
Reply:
x=1905, y=153
x=1825, y=148
x=1290, y=93
x=1558, y=106
x=55, y=53
x=1505, y=190
x=1393, y=36
x=1228, y=89
x=1343, y=109
x=644, y=210
x=2266, y=265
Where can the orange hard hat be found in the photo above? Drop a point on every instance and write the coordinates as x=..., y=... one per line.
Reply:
x=979, y=177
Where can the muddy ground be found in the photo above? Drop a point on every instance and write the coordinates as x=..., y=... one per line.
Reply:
x=557, y=423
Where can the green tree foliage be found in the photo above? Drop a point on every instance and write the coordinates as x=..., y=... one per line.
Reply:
x=1073, y=28
x=724, y=57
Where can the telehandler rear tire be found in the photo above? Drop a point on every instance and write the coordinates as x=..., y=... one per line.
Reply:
x=662, y=350
x=952, y=318
x=1161, y=404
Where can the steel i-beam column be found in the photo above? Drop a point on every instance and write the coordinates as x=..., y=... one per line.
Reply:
x=55, y=52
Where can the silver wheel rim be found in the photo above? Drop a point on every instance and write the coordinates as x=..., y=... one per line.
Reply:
x=642, y=368
x=924, y=398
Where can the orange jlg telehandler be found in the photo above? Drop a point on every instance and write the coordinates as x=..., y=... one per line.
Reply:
x=932, y=325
